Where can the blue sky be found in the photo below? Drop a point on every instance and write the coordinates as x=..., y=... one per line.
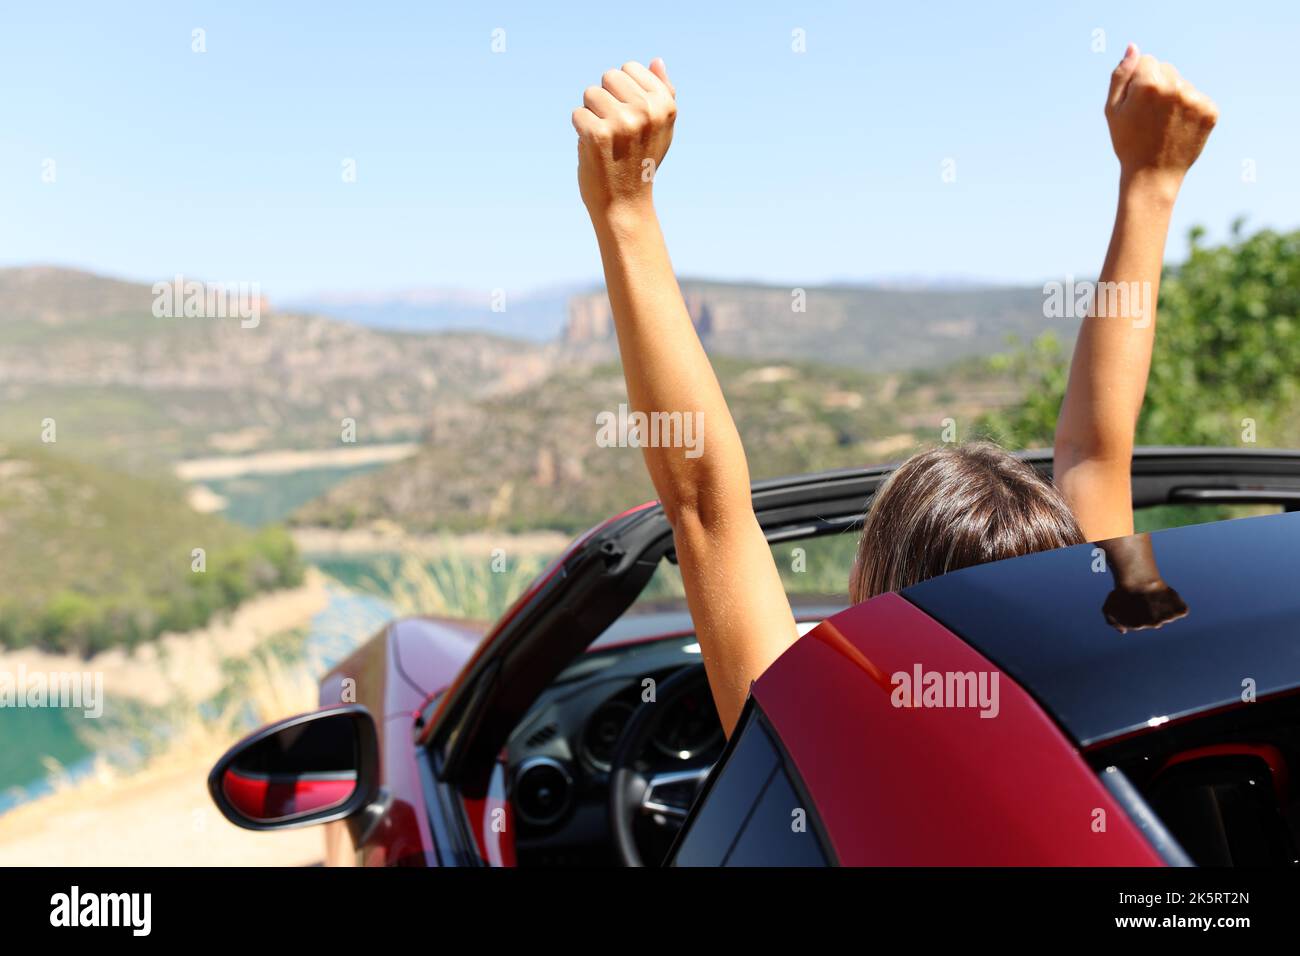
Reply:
x=790, y=168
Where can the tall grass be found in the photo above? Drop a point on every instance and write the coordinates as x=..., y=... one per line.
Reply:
x=461, y=585
x=454, y=583
x=277, y=680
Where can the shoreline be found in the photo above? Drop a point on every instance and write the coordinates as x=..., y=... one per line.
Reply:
x=109, y=815
x=288, y=461
x=187, y=663
x=363, y=542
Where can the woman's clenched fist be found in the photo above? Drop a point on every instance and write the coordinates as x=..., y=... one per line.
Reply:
x=624, y=128
x=1158, y=121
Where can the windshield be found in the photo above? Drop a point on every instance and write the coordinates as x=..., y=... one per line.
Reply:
x=816, y=569
x=812, y=569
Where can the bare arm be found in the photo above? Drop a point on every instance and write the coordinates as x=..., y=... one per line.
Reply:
x=1158, y=124
x=737, y=602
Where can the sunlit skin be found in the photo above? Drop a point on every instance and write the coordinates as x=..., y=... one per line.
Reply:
x=1158, y=125
x=742, y=617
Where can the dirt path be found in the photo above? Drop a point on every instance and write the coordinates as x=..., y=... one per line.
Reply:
x=162, y=815
x=159, y=817
x=367, y=541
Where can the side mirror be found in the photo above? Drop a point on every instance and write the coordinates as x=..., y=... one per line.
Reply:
x=308, y=769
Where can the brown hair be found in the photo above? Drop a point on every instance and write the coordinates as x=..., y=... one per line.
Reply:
x=954, y=506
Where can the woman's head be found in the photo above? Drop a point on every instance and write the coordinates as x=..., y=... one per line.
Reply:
x=954, y=506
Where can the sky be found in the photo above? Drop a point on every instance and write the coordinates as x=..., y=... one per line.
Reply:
x=787, y=167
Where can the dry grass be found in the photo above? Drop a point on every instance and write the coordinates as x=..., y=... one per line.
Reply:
x=146, y=802
x=456, y=584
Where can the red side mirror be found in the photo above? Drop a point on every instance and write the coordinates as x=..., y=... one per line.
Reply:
x=308, y=769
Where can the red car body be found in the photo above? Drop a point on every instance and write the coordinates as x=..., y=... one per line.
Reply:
x=1019, y=769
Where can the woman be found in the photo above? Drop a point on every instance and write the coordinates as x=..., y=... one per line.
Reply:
x=942, y=509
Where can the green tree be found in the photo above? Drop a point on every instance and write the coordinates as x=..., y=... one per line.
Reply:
x=1227, y=350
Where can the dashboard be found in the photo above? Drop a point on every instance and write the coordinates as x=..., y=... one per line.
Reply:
x=558, y=757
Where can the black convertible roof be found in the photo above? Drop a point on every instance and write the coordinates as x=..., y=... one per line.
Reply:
x=1039, y=618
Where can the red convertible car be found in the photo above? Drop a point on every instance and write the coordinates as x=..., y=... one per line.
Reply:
x=1132, y=702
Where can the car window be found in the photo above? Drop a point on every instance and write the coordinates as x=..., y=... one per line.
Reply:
x=777, y=832
x=1159, y=517
x=750, y=813
x=1221, y=783
x=816, y=567
x=819, y=567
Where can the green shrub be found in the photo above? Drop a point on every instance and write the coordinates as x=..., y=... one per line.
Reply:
x=1227, y=351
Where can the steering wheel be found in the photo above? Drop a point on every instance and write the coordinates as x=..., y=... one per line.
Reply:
x=636, y=793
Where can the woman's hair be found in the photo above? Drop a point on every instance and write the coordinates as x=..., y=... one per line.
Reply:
x=954, y=506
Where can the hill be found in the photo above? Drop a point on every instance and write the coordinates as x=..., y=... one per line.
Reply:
x=531, y=460
x=875, y=327
x=91, y=557
x=142, y=394
x=537, y=316
x=133, y=389
x=869, y=328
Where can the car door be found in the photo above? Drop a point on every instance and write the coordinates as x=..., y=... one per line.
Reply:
x=754, y=810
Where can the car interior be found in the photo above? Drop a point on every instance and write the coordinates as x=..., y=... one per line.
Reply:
x=1222, y=784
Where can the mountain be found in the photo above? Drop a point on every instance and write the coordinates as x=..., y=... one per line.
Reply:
x=504, y=426
x=536, y=317
x=532, y=460
x=55, y=297
x=124, y=385
x=102, y=403
x=901, y=323
x=91, y=557
x=872, y=328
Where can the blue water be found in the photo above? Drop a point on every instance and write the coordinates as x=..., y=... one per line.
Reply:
x=29, y=736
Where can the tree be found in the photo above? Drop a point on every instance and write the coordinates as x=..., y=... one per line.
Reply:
x=1227, y=353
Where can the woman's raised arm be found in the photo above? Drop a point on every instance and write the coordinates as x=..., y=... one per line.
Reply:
x=1158, y=124
x=738, y=605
